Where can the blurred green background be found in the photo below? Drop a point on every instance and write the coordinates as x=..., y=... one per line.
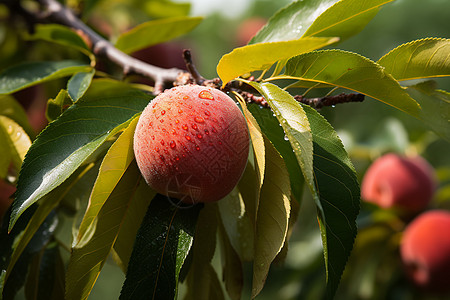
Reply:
x=367, y=129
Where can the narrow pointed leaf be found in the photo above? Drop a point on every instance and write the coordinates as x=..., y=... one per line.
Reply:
x=55, y=107
x=67, y=142
x=161, y=246
x=291, y=22
x=78, y=84
x=418, y=59
x=261, y=56
x=155, y=32
x=131, y=223
x=11, y=108
x=295, y=124
x=273, y=217
x=113, y=167
x=345, y=18
x=272, y=129
x=354, y=72
x=339, y=193
x=27, y=74
x=17, y=138
x=87, y=260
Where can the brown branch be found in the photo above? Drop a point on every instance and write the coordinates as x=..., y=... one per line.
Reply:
x=57, y=13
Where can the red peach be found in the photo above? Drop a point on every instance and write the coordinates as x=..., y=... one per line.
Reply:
x=425, y=250
x=191, y=143
x=406, y=183
x=249, y=28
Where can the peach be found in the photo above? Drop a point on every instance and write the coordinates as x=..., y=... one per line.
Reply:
x=249, y=28
x=191, y=143
x=425, y=250
x=406, y=183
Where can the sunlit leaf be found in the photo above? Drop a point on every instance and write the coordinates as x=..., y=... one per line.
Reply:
x=27, y=74
x=167, y=8
x=18, y=140
x=113, y=167
x=261, y=56
x=273, y=216
x=418, y=59
x=78, y=84
x=339, y=193
x=131, y=223
x=155, y=32
x=354, y=72
x=291, y=22
x=295, y=124
x=68, y=141
x=11, y=108
x=345, y=18
x=435, y=107
x=88, y=258
x=272, y=129
x=161, y=246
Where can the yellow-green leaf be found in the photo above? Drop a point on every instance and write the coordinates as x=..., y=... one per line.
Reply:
x=418, y=59
x=18, y=140
x=261, y=56
x=273, y=216
x=114, y=165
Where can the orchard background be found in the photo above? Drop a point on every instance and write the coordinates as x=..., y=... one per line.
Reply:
x=82, y=222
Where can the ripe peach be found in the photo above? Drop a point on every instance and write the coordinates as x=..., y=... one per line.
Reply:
x=249, y=28
x=406, y=183
x=425, y=250
x=191, y=143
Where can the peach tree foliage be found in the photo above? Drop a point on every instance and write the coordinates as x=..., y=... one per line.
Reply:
x=87, y=151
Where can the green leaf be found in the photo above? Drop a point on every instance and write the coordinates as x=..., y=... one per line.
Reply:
x=79, y=83
x=272, y=129
x=294, y=122
x=88, y=258
x=435, y=107
x=27, y=74
x=232, y=275
x=345, y=18
x=67, y=142
x=291, y=22
x=161, y=246
x=131, y=223
x=167, y=8
x=62, y=35
x=50, y=201
x=200, y=278
x=55, y=107
x=339, y=193
x=418, y=59
x=17, y=138
x=11, y=108
x=261, y=56
x=155, y=32
x=273, y=217
x=113, y=167
x=354, y=72
x=238, y=219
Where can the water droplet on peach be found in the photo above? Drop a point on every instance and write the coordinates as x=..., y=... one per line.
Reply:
x=199, y=135
x=162, y=157
x=207, y=113
x=194, y=126
x=162, y=142
x=197, y=147
x=180, y=111
x=188, y=137
x=172, y=144
x=185, y=127
x=199, y=119
x=163, y=112
x=206, y=131
x=205, y=95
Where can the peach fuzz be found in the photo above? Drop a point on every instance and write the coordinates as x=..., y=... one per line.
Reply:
x=393, y=181
x=191, y=143
x=425, y=250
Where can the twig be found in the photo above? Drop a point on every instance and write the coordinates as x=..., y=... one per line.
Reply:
x=56, y=12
